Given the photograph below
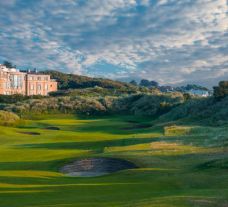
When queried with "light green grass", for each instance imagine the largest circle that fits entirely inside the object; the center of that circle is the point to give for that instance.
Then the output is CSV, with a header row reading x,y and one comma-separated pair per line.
x,y
177,169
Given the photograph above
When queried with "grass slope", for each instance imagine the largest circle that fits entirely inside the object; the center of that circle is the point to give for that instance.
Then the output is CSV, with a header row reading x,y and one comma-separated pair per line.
x,y
179,166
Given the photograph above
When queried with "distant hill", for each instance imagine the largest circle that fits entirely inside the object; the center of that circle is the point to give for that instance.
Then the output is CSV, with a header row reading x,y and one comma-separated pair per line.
x,y
71,81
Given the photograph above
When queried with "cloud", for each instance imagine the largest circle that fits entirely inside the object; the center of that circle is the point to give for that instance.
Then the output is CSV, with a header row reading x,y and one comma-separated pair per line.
x,y
172,41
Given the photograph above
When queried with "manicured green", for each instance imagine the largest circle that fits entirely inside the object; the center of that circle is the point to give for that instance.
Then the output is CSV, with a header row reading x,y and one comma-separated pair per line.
x,y
179,166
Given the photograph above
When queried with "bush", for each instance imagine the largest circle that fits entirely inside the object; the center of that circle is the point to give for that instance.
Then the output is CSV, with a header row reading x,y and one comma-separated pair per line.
x,y
8,118
222,90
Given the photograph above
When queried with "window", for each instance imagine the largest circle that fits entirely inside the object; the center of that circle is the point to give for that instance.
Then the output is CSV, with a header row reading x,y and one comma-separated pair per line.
x,y
16,81
38,87
32,87
46,86
38,78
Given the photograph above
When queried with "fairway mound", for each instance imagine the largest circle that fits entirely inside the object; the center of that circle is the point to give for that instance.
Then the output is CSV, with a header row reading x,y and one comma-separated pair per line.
x,y
52,128
30,133
92,167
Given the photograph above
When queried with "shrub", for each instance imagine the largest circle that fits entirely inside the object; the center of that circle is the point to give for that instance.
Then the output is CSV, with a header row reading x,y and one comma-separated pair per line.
x,y
222,90
8,118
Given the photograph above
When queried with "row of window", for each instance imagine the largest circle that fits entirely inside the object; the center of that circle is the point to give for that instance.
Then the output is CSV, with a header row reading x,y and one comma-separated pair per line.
x,y
31,93
31,78
38,78
19,85
39,87
7,93
12,85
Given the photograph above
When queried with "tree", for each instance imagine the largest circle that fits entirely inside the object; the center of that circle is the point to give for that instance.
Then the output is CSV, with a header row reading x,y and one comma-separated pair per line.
x,y
8,64
187,96
133,82
222,90
195,87
154,84
147,83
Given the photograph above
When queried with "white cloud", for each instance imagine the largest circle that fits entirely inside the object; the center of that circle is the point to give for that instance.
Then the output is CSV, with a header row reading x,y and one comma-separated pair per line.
x,y
170,41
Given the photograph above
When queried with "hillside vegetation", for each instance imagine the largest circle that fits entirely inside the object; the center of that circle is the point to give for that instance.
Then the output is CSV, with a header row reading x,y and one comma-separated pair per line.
x,y
137,104
135,101
206,110
71,81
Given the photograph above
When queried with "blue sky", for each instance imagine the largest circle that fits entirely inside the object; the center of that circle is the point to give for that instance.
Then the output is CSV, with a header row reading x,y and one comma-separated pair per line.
x,y
171,41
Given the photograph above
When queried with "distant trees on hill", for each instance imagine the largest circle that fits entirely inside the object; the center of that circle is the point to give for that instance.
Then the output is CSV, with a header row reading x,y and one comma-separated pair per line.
x,y
133,82
71,81
191,87
147,83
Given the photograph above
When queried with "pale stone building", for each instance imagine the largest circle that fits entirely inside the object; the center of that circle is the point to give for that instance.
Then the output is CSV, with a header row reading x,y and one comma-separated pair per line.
x,y
13,81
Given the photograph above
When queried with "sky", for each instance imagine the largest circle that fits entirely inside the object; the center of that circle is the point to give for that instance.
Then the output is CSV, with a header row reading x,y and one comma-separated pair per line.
x,y
170,41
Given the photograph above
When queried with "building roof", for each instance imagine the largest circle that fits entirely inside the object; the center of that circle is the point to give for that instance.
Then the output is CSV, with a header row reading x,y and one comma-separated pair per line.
x,y
5,69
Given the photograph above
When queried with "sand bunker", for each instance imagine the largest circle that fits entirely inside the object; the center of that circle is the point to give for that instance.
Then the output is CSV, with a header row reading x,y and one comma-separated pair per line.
x,y
91,167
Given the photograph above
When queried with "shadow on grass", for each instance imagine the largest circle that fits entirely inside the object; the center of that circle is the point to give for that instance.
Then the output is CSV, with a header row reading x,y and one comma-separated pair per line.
x,y
52,166
97,146
221,163
105,124
36,165
110,126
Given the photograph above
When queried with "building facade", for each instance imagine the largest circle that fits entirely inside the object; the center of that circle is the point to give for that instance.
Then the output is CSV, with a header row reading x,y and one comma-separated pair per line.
x,y
13,81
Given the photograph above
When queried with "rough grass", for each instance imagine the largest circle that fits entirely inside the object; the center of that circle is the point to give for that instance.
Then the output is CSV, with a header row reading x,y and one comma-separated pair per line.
x,y
175,130
186,167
